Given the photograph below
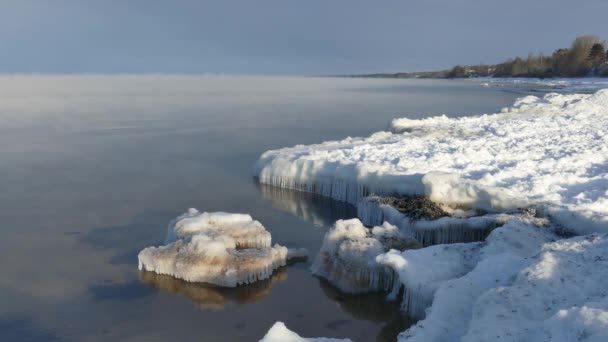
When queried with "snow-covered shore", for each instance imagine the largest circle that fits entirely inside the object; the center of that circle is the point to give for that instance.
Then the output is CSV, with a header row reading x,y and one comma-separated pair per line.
x,y
549,152
527,280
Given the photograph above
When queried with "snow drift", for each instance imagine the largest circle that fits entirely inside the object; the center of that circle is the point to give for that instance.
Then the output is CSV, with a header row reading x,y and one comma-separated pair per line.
x,y
217,248
550,152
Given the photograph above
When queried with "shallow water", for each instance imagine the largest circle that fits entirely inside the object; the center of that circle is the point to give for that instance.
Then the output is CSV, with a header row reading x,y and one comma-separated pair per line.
x,y
94,167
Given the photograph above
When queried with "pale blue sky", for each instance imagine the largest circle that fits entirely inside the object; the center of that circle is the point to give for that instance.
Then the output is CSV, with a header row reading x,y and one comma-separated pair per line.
x,y
283,36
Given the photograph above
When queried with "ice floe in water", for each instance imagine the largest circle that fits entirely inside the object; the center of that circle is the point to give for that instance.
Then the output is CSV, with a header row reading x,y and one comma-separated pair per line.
x,y
550,152
279,333
347,256
223,249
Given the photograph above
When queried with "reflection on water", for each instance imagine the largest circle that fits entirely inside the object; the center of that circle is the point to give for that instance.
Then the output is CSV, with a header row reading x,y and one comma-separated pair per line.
x,y
371,307
324,211
314,208
213,297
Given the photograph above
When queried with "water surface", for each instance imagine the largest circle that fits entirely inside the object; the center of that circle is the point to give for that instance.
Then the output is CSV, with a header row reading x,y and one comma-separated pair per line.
x,y
92,169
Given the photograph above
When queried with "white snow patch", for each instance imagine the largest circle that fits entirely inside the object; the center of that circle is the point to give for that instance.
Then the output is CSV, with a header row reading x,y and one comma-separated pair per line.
x,y
279,333
216,248
550,152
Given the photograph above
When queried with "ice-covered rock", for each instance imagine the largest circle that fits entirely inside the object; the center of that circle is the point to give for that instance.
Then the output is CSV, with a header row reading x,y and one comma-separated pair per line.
x,y
279,333
550,152
217,248
374,210
347,256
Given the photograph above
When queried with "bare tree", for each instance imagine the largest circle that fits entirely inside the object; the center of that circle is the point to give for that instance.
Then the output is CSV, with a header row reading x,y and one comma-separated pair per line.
x,y
578,62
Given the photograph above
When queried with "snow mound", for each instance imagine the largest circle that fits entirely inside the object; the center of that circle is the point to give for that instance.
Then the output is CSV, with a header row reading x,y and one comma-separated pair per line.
x,y
217,248
246,232
279,333
347,256
550,152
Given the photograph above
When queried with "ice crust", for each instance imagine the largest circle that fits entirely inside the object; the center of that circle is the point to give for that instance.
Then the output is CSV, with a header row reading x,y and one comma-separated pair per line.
x,y
347,256
549,152
219,248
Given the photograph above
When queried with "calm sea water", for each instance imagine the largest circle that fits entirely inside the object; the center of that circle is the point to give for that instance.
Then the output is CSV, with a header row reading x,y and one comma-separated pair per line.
x,y
92,168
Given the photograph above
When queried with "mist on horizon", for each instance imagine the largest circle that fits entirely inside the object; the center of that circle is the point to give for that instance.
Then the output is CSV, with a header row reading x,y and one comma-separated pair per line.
x,y
283,37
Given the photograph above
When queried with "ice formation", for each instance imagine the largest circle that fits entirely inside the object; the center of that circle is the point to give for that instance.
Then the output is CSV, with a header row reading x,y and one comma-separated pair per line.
x,y
491,270
372,211
550,152
244,230
451,277
420,271
347,256
217,248
279,333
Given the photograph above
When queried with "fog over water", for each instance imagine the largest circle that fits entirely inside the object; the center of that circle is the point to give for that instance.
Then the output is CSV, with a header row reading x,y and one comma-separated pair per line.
x,y
92,169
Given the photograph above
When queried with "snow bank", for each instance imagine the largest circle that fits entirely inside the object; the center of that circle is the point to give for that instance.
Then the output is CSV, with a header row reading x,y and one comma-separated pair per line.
x,y
280,333
561,296
347,256
549,152
217,248
495,263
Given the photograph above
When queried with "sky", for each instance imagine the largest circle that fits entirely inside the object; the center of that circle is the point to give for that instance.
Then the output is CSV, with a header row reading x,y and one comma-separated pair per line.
x,y
291,37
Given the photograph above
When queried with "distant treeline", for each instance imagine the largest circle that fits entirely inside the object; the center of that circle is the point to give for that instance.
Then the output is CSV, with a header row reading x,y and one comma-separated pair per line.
x,y
586,57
